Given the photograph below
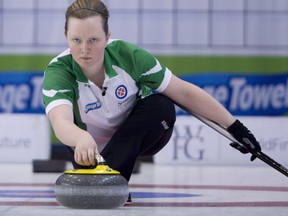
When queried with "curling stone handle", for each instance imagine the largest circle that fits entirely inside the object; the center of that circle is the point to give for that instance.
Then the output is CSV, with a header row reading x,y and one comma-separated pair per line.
x,y
100,160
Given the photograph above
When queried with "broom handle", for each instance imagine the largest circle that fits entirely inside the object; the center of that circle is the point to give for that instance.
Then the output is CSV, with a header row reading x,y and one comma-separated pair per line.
x,y
259,154
100,160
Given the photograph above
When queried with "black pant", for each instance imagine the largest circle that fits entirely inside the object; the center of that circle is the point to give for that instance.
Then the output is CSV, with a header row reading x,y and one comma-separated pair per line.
x,y
146,131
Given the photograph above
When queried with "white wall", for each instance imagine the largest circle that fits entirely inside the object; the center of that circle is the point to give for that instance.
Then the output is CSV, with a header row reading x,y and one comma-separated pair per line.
x,y
162,26
24,137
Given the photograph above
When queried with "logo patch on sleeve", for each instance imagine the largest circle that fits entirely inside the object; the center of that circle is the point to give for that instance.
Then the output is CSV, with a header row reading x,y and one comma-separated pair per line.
x,y
92,106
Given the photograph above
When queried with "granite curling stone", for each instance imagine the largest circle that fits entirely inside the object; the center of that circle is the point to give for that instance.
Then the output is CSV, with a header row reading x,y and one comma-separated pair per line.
x,y
99,188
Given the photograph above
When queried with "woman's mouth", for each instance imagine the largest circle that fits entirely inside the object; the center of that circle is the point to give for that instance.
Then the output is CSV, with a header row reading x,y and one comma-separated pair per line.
x,y
86,58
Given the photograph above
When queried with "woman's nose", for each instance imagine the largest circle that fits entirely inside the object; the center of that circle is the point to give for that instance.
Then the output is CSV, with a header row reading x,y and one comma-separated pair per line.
x,y
85,48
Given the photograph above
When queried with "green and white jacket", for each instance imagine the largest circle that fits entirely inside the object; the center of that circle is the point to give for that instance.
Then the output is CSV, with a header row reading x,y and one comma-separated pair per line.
x,y
131,74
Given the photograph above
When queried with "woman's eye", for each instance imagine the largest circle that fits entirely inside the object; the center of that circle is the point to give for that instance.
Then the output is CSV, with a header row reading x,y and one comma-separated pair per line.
x,y
76,40
93,40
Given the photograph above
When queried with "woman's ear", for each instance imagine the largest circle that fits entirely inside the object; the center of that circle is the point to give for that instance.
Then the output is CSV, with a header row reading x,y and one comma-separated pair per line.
x,y
108,36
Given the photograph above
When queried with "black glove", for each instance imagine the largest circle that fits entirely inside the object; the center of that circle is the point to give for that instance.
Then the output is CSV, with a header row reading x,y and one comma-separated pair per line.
x,y
245,137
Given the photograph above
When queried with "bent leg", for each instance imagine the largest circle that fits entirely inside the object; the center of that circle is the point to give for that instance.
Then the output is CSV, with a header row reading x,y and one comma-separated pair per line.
x,y
146,131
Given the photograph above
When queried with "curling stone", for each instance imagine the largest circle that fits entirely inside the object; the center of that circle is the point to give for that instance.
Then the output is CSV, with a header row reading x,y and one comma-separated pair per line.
x,y
99,188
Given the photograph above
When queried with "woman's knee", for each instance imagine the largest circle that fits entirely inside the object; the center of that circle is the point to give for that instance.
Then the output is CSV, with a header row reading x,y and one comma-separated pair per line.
x,y
162,107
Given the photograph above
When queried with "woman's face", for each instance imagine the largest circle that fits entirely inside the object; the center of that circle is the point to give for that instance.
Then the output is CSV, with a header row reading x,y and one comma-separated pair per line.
x,y
87,41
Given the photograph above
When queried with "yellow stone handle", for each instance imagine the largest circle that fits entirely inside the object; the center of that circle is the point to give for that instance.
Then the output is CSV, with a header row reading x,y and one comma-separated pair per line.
x,y
101,168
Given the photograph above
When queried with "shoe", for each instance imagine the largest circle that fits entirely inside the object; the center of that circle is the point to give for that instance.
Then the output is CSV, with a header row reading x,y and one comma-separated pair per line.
x,y
129,200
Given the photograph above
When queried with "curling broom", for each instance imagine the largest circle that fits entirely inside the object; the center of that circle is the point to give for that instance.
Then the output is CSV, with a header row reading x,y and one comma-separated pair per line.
x,y
259,154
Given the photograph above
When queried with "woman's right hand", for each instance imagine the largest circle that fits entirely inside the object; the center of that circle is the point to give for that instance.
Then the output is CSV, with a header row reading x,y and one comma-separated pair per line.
x,y
86,150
